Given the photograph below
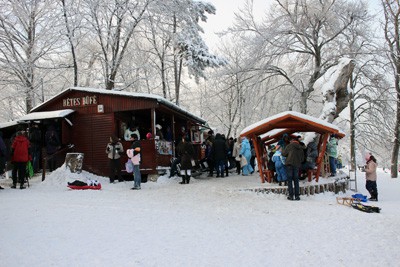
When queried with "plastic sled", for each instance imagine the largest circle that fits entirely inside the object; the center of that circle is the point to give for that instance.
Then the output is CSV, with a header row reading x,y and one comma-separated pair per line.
x,y
360,197
85,187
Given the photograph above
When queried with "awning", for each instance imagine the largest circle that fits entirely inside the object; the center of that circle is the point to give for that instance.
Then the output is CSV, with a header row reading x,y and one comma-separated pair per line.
x,y
4,125
37,116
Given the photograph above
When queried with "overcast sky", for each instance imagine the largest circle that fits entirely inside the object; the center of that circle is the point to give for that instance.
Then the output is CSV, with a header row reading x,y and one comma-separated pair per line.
x,y
224,17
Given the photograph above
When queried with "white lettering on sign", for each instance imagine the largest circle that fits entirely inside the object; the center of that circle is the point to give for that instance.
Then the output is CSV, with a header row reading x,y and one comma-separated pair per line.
x,y
84,101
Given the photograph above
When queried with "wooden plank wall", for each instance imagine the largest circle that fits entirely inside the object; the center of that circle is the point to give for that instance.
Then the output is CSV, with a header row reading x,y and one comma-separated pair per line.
x,y
91,134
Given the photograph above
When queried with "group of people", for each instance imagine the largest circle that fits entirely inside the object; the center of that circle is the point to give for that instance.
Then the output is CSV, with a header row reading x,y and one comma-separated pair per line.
x,y
25,147
115,150
223,154
291,159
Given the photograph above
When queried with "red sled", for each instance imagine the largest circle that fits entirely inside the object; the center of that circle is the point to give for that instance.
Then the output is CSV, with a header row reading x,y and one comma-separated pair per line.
x,y
77,187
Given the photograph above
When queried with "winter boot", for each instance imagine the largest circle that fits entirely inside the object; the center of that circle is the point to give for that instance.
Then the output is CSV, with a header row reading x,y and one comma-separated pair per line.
x,y
183,180
187,179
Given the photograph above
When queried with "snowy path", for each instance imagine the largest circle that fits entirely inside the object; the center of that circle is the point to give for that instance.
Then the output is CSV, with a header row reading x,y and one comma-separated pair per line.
x,y
206,223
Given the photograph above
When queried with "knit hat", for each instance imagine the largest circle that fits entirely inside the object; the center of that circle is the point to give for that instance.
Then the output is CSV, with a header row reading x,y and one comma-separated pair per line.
x,y
367,156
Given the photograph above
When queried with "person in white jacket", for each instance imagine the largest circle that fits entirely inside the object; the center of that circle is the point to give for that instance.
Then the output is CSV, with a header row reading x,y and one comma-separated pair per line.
x,y
114,151
236,152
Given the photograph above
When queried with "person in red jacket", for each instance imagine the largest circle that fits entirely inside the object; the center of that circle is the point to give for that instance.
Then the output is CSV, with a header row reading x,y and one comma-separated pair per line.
x,y
19,157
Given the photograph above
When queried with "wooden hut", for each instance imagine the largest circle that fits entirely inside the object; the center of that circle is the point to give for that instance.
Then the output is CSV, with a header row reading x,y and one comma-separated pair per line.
x,y
271,129
86,118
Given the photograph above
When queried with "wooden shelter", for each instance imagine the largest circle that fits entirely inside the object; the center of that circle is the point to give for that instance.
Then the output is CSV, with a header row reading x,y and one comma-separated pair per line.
x,y
270,131
85,118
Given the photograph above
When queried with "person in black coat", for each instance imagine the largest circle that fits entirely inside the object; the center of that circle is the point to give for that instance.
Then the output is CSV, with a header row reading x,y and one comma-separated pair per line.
x,y
35,138
52,145
220,152
185,152
294,153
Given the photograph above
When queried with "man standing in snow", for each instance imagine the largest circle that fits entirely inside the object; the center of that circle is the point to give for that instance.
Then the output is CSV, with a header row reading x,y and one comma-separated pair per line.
x,y
20,156
294,153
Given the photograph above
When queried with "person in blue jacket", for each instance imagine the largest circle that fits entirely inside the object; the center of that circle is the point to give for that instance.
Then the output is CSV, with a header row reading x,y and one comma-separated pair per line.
x,y
245,151
280,168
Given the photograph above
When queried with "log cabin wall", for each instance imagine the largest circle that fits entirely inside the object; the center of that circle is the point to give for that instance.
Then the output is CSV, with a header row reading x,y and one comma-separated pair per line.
x,y
92,127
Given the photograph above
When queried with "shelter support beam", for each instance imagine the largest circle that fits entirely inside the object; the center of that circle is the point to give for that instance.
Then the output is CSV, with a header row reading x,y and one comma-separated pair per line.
x,y
257,148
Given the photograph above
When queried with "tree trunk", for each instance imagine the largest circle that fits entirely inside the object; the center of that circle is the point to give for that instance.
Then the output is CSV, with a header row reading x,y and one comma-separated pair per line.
x,y
352,128
396,142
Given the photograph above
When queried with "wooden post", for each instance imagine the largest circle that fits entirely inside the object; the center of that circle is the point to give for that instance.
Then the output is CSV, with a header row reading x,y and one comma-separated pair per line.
x,y
321,154
258,156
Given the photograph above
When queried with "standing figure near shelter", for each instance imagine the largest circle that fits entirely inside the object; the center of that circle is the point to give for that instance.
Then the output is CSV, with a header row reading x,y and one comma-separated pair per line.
x,y
280,167
35,138
114,151
294,153
134,153
20,155
185,151
52,145
132,129
311,158
236,152
220,152
331,147
245,152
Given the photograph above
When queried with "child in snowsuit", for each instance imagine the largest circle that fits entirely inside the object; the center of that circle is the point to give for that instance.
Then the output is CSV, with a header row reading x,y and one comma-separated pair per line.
x,y
280,168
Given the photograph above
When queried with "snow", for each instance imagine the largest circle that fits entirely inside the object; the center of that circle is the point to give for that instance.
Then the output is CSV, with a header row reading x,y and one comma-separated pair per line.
x,y
46,115
294,114
326,83
209,222
121,93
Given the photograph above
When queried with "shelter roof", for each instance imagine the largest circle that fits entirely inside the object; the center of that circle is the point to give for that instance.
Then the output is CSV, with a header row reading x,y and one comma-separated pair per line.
x,y
289,122
46,115
157,98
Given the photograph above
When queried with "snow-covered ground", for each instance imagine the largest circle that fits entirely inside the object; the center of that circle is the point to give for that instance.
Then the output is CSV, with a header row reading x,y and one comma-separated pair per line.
x,y
210,222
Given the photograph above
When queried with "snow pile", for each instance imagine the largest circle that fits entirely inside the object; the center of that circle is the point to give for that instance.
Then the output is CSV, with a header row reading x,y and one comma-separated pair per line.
x,y
209,222
61,176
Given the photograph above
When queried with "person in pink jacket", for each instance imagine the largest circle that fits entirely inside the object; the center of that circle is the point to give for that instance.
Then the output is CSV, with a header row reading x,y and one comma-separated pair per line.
x,y
370,176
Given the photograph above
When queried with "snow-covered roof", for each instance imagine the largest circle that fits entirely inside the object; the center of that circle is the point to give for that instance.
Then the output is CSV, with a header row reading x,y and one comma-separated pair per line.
x,y
8,124
281,120
158,98
33,116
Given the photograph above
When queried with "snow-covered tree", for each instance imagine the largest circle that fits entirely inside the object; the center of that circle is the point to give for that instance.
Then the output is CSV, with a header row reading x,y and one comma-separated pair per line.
x,y
114,25
299,40
175,34
27,45
392,35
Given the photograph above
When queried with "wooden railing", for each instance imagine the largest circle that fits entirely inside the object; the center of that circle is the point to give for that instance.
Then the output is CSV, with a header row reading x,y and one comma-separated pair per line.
x,y
45,159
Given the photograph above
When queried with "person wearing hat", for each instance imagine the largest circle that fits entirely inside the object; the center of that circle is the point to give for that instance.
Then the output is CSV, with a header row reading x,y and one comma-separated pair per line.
x,y
371,176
